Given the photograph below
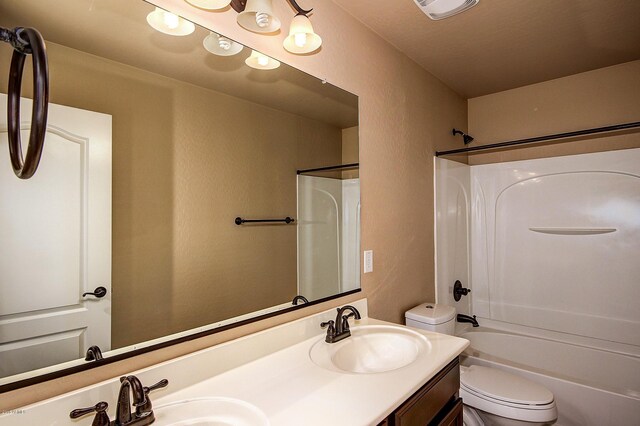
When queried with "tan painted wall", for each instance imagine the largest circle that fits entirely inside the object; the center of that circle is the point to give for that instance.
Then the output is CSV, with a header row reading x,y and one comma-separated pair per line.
x,y
350,147
602,97
405,113
185,164
350,150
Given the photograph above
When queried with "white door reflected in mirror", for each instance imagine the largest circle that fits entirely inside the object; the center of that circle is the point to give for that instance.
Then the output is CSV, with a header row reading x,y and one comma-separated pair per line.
x,y
56,243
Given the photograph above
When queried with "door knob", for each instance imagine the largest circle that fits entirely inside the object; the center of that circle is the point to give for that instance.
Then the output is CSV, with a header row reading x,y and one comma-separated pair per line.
x,y
99,292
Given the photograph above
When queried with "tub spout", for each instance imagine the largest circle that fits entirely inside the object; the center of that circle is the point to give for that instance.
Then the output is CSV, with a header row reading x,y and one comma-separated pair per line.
x,y
467,318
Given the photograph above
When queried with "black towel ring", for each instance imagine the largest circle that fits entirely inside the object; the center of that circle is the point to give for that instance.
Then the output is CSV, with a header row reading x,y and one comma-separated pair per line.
x,y
27,41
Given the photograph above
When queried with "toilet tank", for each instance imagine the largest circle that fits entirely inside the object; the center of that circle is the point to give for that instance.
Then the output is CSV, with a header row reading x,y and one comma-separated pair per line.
x,y
432,317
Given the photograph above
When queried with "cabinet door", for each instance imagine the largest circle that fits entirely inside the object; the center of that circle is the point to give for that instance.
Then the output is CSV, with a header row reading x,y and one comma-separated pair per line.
x,y
430,403
453,417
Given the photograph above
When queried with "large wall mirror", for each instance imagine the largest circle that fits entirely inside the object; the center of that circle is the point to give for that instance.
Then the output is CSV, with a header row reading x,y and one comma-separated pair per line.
x,y
156,147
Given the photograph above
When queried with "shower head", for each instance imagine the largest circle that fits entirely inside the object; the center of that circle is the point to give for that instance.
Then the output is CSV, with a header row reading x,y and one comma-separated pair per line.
x,y
465,137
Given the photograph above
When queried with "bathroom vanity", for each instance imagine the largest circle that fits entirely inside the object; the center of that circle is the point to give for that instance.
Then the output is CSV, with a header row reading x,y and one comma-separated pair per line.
x,y
436,403
280,376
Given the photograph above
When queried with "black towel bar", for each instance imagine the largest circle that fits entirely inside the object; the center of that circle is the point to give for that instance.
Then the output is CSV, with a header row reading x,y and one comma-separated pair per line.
x,y
287,220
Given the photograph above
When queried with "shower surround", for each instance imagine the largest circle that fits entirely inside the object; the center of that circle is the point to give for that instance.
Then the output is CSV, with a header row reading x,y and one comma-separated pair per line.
x,y
555,244
549,248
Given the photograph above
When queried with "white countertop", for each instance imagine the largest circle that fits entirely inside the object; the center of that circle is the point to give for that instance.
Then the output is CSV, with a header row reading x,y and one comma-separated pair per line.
x,y
291,390
273,371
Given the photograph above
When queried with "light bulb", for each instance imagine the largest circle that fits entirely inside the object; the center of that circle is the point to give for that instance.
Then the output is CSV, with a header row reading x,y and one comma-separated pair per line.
x,y
224,43
263,61
262,19
260,61
258,17
170,20
220,45
169,23
300,39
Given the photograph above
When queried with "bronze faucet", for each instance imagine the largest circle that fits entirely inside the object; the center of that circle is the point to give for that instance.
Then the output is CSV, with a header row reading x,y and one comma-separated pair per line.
x,y
93,354
299,298
339,329
124,416
143,414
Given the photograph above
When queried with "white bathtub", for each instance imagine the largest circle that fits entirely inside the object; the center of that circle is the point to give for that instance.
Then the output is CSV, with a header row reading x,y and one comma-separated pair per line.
x,y
592,387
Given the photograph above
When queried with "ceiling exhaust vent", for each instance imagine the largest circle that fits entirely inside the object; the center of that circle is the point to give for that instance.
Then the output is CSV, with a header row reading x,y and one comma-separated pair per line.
x,y
440,9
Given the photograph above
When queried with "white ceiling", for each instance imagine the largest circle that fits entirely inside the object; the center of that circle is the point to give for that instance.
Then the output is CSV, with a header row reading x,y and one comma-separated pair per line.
x,y
503,44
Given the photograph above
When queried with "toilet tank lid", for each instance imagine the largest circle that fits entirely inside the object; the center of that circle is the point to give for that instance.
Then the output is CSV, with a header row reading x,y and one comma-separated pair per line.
x,y
431,313
503,386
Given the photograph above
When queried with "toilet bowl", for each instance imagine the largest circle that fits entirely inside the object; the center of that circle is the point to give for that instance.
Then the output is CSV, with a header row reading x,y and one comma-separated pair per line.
x,y
501,398
490,396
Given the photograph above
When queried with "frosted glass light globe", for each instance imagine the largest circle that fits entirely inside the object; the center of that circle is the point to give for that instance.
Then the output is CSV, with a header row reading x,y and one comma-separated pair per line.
x,y
169,23
302,39
209,4
258,17
260,61
220,45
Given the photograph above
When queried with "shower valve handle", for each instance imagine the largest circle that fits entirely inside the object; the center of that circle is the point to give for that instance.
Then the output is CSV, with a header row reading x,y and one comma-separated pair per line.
x,y
459,291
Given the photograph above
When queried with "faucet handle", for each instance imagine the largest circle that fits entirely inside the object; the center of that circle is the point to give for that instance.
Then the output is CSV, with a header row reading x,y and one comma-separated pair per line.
x,y
101,418
331,330
327,323
146,408
161,384
345,321
349,315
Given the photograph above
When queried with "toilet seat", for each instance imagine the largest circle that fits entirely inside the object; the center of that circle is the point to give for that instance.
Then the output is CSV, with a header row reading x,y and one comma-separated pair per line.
x,y
506,395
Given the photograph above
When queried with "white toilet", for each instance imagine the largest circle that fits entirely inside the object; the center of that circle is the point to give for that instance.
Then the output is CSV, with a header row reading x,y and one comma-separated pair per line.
x,y
490,396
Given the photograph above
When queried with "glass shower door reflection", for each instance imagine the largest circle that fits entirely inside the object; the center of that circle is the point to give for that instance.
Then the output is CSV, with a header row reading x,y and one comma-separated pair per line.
x,y
328,236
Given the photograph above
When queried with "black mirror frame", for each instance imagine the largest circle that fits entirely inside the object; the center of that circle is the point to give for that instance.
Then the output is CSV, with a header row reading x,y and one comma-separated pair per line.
x,y
111,359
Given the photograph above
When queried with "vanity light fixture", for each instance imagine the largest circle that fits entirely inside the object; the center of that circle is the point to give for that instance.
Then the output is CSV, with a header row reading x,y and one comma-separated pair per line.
x,y
258,16
169,23
220,45
209,4
302,39
260,61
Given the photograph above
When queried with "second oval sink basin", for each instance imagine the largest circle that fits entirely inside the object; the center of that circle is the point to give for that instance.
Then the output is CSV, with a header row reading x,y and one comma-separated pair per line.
x,y
371,349
210,412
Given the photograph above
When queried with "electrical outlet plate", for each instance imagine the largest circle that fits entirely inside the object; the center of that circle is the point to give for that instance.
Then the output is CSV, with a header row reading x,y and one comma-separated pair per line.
x,y
368,261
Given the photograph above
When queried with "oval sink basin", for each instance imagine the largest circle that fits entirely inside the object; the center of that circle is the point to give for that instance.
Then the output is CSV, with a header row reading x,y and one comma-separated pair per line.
x,y
210,412
371,349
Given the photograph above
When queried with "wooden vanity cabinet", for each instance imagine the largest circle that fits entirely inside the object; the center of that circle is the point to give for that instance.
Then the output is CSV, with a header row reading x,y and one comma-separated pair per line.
x,y
436,403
